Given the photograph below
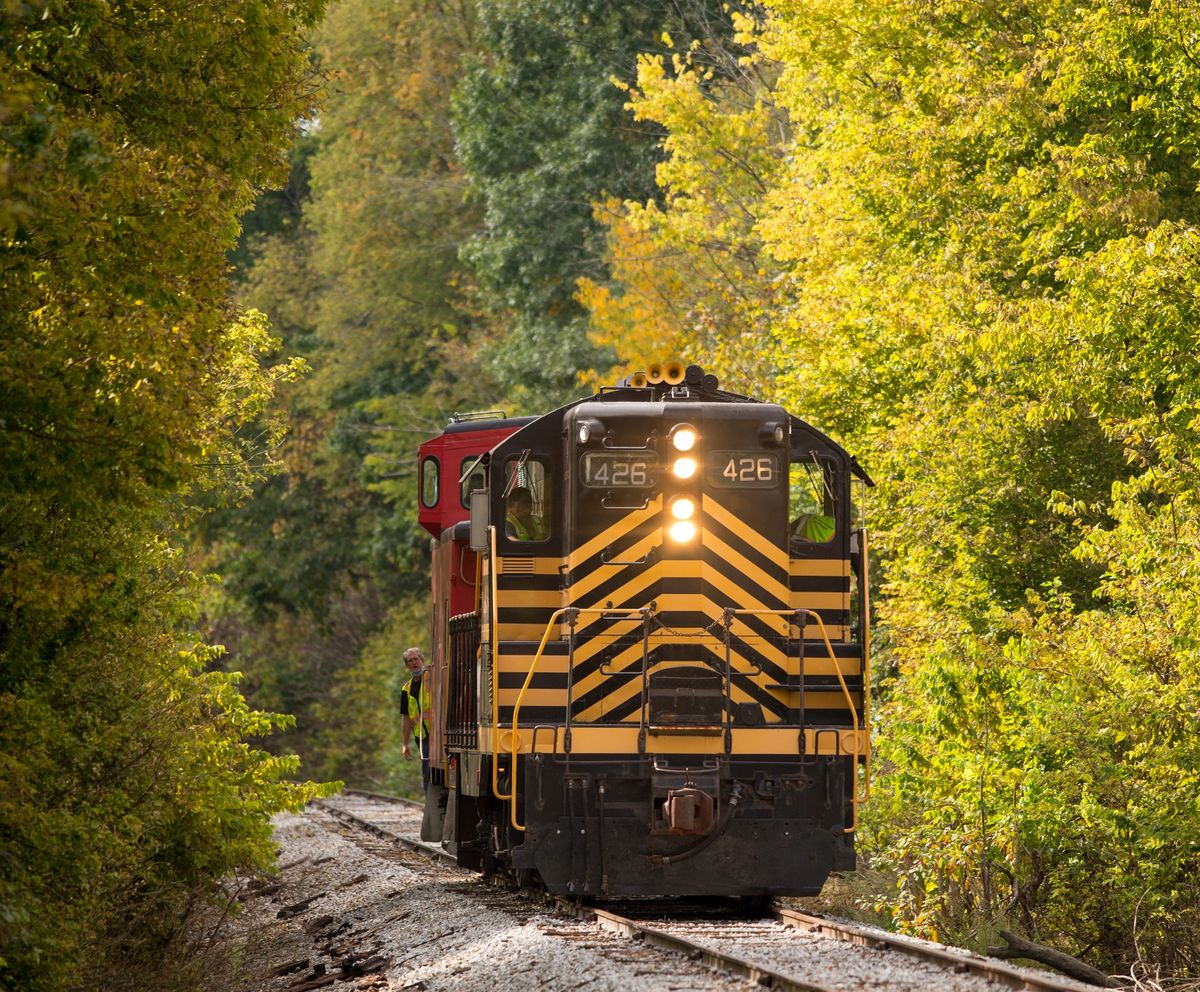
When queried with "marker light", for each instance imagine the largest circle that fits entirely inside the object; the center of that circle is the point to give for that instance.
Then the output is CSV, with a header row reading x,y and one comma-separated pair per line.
x,y
682,530
683,508
684,468
585,433
683,437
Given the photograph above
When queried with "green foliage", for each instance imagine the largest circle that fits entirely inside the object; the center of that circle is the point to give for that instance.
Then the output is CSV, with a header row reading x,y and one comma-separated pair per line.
x,y
132,393
990,226
360,718
360,274
542,135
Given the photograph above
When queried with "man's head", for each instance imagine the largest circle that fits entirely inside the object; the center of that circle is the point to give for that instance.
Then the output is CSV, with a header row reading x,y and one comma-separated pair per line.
x,y
414,660
520,501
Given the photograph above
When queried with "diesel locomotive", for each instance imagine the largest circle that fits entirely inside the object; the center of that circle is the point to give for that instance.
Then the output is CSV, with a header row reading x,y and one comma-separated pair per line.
x,y
650,643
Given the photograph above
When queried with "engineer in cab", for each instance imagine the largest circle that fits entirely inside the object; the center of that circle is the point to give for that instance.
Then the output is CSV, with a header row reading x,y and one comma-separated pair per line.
x,y
521,523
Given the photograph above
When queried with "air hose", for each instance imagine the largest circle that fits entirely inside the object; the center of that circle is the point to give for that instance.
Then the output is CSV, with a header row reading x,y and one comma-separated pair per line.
x,y
735,797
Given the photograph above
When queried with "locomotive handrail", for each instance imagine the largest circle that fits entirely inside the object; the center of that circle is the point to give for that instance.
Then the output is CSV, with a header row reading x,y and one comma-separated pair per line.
x,y
514,743
730,613
646,559
624,506
854,800
864,592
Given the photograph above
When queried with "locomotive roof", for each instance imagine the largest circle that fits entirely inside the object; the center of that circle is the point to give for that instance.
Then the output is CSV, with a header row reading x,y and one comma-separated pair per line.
x,y
664,393
492,424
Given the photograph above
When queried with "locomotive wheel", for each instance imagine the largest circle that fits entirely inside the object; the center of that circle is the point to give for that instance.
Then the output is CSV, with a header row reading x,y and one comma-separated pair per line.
x,y
488,864
528,878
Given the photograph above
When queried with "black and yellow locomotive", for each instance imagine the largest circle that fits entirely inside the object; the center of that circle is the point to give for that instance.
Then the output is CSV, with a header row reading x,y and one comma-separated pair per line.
x,y
650,643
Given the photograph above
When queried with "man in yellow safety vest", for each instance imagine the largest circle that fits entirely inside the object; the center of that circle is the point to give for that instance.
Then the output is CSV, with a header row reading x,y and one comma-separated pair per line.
x,y
414,711
520,522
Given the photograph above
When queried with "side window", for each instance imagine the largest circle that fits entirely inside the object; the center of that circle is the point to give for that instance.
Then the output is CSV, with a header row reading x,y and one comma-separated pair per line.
x,y
429,482
812,514
477,479
527,499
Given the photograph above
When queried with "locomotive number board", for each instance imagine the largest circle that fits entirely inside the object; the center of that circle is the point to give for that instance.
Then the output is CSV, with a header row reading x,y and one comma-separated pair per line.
x,y
618,470
737,469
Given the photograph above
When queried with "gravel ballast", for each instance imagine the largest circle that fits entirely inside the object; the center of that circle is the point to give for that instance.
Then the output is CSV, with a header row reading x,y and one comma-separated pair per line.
x,y
353,911
349,903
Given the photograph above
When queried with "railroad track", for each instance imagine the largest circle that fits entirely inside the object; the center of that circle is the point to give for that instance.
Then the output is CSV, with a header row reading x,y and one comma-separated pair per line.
x,y
783,950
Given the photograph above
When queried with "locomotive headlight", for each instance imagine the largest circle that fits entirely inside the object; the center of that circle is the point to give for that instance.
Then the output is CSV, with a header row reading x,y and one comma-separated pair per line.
x,y
684,468
682,530
684,437
683,508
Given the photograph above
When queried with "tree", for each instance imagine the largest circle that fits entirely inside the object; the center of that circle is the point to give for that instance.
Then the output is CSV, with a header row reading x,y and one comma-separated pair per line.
x,y
689,274
543,136
325,567
133,137
993,214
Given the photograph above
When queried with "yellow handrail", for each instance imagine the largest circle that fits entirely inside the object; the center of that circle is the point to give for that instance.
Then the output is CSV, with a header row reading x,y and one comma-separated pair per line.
x,y
849,703
854,801
865,595
514,744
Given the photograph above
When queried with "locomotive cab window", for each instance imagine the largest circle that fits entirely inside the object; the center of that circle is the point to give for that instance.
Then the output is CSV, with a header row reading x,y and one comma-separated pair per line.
x,y
812,508
527,500
429,483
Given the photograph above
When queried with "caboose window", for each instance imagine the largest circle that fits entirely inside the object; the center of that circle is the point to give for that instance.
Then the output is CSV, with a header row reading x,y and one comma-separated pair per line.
x,y
476,479
812,509
429,482
527,499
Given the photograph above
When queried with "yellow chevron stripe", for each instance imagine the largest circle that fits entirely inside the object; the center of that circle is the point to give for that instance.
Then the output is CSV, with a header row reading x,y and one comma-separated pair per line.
x,y
606,537
699,603
629,660
777,556
692,603
742,665
633,688
744,601
636,584
602,573
752,572
597,642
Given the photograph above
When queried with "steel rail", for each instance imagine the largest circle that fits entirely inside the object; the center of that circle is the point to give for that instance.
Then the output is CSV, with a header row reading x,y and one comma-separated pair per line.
x,y
719,960
957,959
430,850
954,959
